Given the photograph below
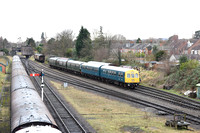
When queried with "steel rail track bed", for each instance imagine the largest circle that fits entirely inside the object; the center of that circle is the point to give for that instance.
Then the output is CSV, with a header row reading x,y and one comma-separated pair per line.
x,y
77,82
67,121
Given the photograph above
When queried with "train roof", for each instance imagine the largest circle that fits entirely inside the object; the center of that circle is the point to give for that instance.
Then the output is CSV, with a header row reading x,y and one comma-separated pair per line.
x,y
74,61
92,65
27,107
54,58
116,68
39,129
63,59
16,58
39,54
102,63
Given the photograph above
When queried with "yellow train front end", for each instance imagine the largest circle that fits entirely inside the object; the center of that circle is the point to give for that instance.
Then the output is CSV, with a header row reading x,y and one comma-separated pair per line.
x,y
132,78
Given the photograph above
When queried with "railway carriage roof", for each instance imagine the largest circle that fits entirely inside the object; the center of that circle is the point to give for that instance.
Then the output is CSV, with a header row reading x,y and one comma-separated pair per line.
x,y
102,63
74,61
116,68
63,59
16,58
39,54
54,58
92,65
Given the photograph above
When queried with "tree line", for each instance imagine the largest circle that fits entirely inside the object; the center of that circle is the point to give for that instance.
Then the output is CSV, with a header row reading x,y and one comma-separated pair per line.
x,y
4,44
101,47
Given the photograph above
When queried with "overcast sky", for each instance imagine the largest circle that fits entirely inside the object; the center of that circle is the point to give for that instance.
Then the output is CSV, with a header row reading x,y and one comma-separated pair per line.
x,y
130,18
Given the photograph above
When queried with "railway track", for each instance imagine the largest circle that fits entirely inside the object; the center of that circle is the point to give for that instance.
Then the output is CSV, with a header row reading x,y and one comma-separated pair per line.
x,y
171,98
159,94
164,95
64,118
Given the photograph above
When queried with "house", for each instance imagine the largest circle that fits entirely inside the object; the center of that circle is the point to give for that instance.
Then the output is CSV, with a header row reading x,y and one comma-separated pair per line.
x,y
2,68
176,46
194,48
174,58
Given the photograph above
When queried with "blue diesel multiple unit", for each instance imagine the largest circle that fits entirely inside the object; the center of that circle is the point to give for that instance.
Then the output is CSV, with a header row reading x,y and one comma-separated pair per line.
x,y
99,70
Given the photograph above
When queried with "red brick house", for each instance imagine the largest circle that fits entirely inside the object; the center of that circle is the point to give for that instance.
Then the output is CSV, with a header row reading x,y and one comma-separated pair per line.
x,y
196,44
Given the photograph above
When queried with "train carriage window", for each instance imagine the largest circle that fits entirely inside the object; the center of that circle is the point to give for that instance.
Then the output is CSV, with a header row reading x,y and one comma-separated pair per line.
x,y
128,75
121,75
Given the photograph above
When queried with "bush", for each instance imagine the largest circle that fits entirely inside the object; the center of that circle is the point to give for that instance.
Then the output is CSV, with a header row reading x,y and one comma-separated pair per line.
x,y
69,52
140,55
5,50
39,49
183,59
191,64
160,55
185,77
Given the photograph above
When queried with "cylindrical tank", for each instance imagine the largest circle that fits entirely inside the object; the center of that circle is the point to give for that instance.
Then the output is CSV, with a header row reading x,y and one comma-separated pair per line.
x,y
198,90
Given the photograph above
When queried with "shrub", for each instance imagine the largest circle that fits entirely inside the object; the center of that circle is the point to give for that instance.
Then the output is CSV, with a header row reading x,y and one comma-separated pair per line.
x,y
191,64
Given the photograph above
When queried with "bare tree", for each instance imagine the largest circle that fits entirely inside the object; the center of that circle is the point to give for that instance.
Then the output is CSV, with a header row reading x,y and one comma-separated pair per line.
x,y
100,54
60,44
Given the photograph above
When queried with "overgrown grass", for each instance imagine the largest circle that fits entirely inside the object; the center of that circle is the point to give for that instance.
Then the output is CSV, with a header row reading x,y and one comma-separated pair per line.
x,y
152,78
5,101
3,60
108,116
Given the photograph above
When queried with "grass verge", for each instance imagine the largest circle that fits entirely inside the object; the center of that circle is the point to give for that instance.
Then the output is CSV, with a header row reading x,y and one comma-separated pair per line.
x,y
108,116
5,100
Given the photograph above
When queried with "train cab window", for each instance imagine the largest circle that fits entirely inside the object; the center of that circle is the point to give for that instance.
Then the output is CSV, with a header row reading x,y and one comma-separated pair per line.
x,y
128,75
132,75
136,75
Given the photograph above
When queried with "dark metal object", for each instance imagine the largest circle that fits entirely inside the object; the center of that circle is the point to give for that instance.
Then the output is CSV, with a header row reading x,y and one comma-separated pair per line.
x,y
39,57
177,122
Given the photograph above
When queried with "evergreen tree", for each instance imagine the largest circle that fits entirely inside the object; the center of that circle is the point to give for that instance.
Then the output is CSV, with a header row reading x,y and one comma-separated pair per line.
x,y
42,36
30,42
160,55
155,49
139,40
183,59
83,41
5,42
